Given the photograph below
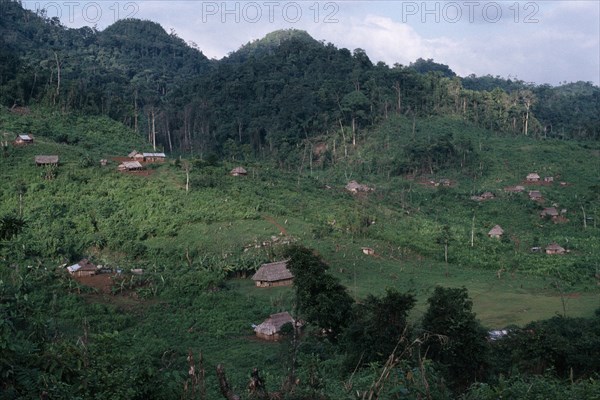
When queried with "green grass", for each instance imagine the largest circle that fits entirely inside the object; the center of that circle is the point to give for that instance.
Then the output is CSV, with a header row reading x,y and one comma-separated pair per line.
x,y
152,221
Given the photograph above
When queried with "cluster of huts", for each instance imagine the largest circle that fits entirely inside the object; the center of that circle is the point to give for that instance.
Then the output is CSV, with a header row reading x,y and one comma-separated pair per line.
x,y
39,160
272,275
547,212
533,178
268,275
136,159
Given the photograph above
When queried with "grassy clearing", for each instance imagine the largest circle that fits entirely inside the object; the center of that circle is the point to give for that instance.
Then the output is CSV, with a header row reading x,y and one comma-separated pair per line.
x,y
151,222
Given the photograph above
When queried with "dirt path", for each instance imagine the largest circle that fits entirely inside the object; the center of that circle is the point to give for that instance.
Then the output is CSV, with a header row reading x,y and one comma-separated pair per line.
x,y
274,222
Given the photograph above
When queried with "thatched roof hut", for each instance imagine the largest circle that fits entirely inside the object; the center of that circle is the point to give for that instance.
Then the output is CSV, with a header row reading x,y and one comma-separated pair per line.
x,y
514,189
555,248
271,327
355,187
238,171
496,232
549,212
273,274
484,196
533,177
535,195
130,166
368,251
46,160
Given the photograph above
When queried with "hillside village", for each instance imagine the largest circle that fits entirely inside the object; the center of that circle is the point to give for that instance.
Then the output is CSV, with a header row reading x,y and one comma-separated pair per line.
x,y
293,221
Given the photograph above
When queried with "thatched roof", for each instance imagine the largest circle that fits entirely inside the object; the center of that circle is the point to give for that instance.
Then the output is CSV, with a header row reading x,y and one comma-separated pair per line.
x,y
238,171
496,231
129,165
132,154
25,138
354,186
483,196
533,176
549,211
273,272
555,247
535,194
46,160
514,189
273,324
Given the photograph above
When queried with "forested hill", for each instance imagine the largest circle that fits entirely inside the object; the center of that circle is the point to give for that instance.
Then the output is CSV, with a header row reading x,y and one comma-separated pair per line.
x,y
269,96
100,72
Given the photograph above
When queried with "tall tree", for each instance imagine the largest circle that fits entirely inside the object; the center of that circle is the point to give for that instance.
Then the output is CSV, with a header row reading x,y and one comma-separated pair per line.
x,y
463,356
320,299
378,325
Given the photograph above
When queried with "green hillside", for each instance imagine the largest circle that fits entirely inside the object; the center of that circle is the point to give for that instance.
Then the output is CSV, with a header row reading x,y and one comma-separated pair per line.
x,y
401,291
219,231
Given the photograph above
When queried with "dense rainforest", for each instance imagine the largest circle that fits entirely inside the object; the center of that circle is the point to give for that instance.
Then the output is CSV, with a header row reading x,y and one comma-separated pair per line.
x,y
435,280
271,94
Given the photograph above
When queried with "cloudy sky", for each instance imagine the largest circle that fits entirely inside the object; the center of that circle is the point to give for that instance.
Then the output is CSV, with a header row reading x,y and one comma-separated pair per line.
x,y
536,41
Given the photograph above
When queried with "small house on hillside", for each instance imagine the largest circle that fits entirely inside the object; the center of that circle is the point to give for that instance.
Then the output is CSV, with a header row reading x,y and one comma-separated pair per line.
x,y
555,248
496,232
24,139
154,157
46,160
368,251
483,197
548,179
549,212
532,177
273,274
271,327
238,171
535,195
135,155
83,268
130,166
514,189
355,187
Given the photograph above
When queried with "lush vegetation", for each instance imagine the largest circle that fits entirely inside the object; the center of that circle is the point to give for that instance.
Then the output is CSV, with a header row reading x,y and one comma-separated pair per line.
x,y
180,239
267,98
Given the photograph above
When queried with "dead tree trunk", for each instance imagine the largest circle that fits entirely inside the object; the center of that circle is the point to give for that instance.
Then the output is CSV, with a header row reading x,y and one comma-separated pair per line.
x,y
153,129
57,77
226,390
135,112
473,231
